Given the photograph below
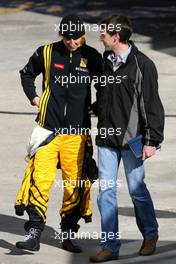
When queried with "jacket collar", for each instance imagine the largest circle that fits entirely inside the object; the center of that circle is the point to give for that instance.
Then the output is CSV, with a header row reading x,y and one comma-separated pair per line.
x,y
63,49
134,50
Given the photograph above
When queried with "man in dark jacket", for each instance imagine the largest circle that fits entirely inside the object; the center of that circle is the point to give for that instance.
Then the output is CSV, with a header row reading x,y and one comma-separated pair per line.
x,y
68,67
129,107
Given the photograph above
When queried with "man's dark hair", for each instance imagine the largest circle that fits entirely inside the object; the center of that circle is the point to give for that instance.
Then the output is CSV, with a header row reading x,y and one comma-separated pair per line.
x,y
118,24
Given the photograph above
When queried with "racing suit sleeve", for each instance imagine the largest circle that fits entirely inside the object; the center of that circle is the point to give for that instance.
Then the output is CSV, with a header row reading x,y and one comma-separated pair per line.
x,y
96,76
29,73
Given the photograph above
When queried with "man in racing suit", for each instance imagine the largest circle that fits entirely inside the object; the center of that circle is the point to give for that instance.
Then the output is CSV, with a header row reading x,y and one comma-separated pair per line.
x,y
67,66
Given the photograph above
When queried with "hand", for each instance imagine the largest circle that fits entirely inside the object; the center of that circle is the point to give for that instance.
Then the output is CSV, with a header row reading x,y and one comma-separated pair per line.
x,y
90,111
148,151
36,102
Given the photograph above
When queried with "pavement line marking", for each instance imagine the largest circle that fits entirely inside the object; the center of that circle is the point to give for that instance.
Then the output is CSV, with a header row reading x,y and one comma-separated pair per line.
x,y
54,9
21,7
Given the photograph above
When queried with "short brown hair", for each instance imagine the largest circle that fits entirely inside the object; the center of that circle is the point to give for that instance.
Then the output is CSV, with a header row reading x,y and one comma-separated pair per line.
x,y
119,24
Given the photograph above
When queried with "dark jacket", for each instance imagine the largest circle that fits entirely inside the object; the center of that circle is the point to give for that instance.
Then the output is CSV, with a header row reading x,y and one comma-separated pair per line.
x,y
132,106
63,104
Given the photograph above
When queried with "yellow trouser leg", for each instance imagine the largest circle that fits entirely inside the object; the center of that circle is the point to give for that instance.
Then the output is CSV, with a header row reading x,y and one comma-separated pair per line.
x,y
45,169
71,158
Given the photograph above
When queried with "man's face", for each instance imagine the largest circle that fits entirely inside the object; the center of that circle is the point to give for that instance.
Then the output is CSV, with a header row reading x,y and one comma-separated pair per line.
x,y
73,44
108,41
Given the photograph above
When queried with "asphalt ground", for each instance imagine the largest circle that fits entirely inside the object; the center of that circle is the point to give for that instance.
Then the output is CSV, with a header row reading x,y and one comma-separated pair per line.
x,y
21,32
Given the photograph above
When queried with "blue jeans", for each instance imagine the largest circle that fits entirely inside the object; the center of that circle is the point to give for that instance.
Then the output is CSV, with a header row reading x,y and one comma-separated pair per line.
x,y
108,162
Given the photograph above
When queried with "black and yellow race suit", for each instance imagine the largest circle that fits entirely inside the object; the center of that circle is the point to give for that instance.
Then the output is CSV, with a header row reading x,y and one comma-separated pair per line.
x,y
66,86
63,105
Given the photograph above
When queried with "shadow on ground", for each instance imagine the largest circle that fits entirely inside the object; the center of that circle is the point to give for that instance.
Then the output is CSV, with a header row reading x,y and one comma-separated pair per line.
x,y
166,250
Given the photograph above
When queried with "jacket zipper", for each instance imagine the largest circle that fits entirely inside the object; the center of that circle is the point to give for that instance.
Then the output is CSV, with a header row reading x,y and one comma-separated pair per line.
x,y
110,94
65,108
109,98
